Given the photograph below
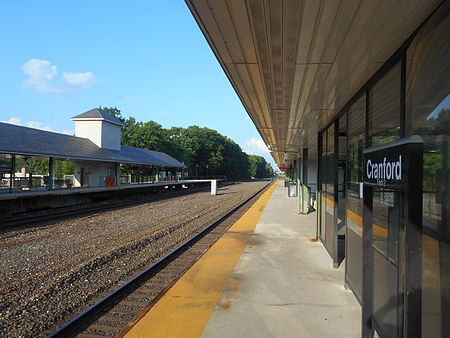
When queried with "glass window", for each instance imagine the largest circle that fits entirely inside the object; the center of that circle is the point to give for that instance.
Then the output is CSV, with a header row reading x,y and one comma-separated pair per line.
x,y
330,160
356,126
384,127
386,219
324,161
323,174
428,115
341,173
384,108
329,196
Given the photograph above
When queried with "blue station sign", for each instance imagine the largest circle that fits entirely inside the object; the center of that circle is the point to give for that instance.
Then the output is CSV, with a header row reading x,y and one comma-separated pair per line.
x,y
388,165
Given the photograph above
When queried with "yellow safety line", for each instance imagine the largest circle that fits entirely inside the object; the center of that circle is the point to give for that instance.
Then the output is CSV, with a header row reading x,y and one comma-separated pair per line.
x,y
185,309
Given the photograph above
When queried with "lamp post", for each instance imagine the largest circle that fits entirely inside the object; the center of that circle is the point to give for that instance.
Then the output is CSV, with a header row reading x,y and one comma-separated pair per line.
x,y
196,171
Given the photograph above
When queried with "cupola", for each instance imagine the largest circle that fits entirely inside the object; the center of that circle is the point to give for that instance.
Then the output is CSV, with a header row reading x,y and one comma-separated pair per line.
x,y
100,127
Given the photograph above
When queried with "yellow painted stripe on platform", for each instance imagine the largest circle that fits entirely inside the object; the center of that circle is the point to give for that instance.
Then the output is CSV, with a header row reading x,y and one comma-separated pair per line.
x,y
185,309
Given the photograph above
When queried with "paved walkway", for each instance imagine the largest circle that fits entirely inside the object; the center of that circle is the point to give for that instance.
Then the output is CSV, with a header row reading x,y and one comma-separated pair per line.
x,y
273,281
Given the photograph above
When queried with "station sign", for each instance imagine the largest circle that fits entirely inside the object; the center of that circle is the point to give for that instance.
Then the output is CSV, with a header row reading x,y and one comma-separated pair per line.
x,y
388,165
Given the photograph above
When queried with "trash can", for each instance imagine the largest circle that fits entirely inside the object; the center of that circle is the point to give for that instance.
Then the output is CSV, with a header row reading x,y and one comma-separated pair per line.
x,y
292,189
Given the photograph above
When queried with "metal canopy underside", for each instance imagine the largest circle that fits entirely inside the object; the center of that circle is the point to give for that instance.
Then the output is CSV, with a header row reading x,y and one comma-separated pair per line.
x,y
295,63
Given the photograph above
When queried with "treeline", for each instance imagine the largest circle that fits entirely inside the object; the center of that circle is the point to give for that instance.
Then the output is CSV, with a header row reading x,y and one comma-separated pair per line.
x,y
204,151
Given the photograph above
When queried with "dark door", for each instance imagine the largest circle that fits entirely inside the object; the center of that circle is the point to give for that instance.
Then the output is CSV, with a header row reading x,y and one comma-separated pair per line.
x,y
82,176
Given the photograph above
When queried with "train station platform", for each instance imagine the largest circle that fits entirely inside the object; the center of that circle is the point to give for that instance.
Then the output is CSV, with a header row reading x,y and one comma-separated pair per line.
x,y
20,205
87,190
265,277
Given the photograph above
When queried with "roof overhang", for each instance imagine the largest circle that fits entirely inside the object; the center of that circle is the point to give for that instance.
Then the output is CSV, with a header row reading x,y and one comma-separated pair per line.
x,y
294,64
88,159
97,119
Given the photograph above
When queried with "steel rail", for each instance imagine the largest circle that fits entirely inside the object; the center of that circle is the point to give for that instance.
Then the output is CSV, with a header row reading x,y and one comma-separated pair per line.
x,y
72,325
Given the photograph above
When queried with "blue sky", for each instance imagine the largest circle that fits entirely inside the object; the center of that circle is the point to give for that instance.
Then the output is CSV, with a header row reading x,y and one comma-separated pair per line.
x,y
148,58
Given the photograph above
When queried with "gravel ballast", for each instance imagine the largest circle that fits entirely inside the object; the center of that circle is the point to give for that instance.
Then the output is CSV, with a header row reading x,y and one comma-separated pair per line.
x,y
51,272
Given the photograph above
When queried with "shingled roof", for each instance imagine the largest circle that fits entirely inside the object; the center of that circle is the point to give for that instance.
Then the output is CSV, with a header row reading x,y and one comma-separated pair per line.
x,y
28,141
97,114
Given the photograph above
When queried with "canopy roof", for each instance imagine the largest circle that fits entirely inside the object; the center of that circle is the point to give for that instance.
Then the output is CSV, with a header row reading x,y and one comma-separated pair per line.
x,y
34,142
295,63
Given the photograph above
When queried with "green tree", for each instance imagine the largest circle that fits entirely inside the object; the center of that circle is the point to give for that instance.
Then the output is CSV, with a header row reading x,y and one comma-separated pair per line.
x,y
114,112
258,167
32,165
63,168
204,151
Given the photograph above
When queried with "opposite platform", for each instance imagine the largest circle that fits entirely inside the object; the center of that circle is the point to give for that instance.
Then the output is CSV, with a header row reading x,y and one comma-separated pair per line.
x,y
283,284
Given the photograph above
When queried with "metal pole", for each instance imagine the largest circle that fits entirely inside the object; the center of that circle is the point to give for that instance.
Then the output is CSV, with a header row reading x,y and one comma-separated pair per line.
x,y
335,194
117,174
306,195
367,273
319,185
51,173
414,232
299,186
318,213
12,174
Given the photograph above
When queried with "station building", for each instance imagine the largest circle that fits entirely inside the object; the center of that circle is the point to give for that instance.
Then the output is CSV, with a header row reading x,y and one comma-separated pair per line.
x,y
353,100
32,159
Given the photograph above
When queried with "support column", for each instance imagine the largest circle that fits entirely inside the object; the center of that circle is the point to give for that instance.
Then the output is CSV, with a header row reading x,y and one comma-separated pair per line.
x,y
335,194
299,185
306,195
117,174
12,173
367,280
318,213
319,186
51,173
413,250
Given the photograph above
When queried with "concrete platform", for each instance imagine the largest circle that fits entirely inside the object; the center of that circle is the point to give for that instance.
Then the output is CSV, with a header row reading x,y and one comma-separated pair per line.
x,y
18,206
280,283
6,195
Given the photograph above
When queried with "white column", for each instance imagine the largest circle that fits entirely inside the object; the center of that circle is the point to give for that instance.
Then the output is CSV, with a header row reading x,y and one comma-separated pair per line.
x,y
213,187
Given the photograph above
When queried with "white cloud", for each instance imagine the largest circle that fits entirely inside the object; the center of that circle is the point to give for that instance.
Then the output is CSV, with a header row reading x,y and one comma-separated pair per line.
x,y
35,125
13,120
164,113
42,76
82,80
255,146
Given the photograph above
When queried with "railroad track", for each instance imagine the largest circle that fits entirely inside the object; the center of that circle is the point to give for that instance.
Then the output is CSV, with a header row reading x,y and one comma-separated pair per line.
x,y
84,209
111,315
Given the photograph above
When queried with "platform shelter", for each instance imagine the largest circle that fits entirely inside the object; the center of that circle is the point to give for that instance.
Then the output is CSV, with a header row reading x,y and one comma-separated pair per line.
x,y
33,159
